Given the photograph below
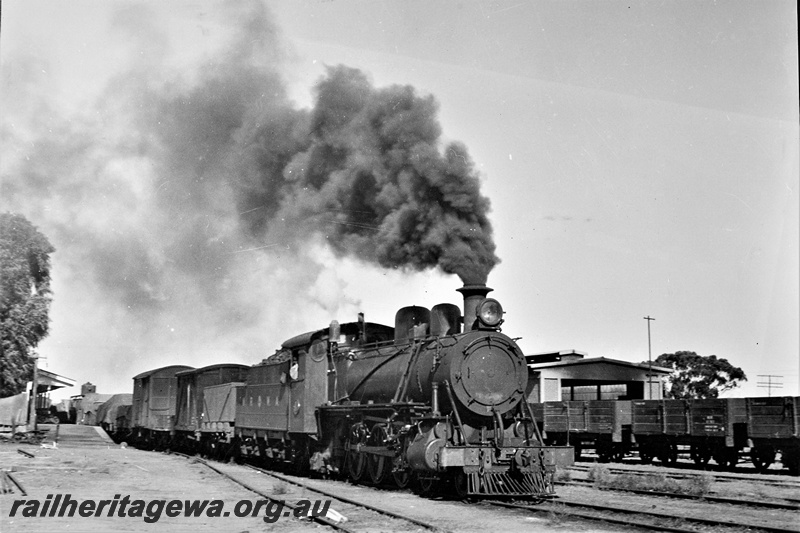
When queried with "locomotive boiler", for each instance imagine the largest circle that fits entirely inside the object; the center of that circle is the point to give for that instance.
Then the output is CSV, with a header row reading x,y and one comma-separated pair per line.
x,y
487,378
423,401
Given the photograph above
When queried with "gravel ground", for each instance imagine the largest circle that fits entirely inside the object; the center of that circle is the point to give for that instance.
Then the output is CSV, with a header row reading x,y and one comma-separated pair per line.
x,y
100,474
739,489
89,468
448,515
102,471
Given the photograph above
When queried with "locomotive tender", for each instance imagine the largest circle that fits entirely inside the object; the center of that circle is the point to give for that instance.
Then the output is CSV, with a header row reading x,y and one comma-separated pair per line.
x,y
423,402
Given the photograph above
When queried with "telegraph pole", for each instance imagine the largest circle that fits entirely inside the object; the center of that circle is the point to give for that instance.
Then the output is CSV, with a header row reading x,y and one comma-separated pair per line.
x,y
649,360
34,387
769,384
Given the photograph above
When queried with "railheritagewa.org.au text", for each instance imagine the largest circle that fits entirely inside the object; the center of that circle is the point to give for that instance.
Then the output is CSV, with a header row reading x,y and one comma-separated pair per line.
x,y
151,511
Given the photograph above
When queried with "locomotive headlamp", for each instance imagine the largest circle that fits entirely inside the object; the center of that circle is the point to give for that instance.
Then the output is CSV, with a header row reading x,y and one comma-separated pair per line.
x,y
490,312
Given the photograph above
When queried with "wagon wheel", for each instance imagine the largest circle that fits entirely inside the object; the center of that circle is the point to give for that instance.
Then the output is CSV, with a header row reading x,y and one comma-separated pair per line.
x,y
733,460
402,478
378,466
234,451
617,454
726,457
578,450
356,465
424,485
604,452
762,457
791,460
460,484
401,472
700,454
356,461
301,459
645,455
668,454
602,456
218,448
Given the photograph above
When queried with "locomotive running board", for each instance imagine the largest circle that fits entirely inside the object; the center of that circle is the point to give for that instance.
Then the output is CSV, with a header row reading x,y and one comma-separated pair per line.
x,y
506,484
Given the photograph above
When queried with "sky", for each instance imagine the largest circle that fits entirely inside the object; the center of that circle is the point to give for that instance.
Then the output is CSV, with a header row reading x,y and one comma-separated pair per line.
x,y
609,160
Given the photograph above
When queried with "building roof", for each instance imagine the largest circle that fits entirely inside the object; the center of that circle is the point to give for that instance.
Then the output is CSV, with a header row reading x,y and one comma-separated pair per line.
x,y
573,357
47,381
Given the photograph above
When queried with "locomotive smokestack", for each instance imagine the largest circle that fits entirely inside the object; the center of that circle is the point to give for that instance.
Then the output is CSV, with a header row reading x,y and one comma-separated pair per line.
x,y
473,294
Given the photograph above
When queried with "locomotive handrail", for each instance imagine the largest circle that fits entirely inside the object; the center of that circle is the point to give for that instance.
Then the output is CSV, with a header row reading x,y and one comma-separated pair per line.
x,y
499,435
399,395
371,345
455,412
533,421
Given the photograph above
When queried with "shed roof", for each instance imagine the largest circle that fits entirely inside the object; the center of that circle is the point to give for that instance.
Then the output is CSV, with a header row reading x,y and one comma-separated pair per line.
x,y
597,360
47,381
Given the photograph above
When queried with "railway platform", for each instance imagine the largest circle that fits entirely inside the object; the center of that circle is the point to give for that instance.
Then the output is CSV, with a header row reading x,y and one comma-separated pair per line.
x,y
72,435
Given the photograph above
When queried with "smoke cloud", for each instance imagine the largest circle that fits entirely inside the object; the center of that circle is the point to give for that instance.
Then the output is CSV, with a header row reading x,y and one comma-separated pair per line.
x,y
185,202
370,177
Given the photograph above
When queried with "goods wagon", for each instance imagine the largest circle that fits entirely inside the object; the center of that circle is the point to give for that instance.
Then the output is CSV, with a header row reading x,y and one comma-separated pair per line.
x,y
773,425
108,414
712,428
206,403
154,405
602,425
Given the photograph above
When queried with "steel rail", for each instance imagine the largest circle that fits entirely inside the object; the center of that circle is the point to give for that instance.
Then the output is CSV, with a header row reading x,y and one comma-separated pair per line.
x,y
318,519
386,512
718,476
660,516
596,518
688,496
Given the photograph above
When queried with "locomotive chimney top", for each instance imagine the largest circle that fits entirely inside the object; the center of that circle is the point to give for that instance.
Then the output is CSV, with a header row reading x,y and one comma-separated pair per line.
x,y
473,294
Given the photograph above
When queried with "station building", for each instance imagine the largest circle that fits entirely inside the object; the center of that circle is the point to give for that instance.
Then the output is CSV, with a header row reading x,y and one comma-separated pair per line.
x,y
47,382
15,410
569,375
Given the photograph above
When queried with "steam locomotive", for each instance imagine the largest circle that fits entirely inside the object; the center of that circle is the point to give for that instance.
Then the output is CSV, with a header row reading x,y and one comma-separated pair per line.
x,y
423,402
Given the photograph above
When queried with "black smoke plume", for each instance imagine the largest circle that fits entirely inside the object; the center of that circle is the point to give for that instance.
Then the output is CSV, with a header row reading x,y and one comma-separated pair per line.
x,y
178,194
365,168
369,171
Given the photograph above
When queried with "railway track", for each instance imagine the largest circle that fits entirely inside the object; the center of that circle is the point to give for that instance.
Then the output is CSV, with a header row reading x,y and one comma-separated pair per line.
x,y
360,516
743,466
349,501
718,476
635,509
649,520
697,497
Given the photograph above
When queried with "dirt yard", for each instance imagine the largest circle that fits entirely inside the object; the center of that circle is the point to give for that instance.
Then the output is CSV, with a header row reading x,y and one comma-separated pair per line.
x,y
109,472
